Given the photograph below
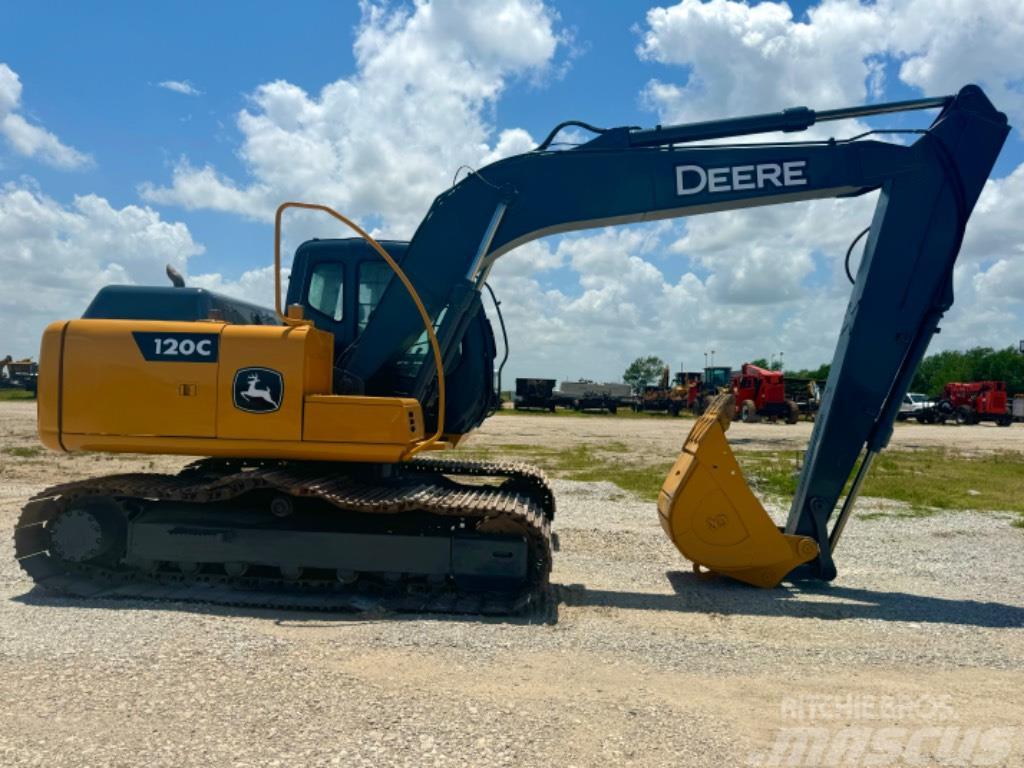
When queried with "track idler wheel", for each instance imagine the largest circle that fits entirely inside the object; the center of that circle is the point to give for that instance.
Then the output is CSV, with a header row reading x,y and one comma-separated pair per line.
x,y
714,519
91,528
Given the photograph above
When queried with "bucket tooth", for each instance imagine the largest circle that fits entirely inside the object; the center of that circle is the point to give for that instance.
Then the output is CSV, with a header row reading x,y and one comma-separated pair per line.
x,y
713,518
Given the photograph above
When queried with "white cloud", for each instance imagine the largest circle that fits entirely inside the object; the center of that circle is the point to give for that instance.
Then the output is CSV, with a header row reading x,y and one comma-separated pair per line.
x,y
56,257
255,285
624,305
384,142
196,188
763,255
745,59
944,44
785,262
26,138
1003,280
183,87
989,281
995,230
514,141
752,283
742,59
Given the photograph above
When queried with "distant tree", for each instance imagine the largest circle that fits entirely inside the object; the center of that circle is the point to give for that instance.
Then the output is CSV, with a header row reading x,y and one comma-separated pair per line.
x,y
819,374
643,371
760,362
977,364
935,371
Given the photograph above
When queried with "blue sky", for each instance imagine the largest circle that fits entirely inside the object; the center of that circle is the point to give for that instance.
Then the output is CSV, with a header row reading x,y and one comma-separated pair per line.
x,y
91,76
95,80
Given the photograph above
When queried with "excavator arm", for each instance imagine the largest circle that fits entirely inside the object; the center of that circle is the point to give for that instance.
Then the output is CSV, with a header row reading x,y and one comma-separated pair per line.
x,y
903,286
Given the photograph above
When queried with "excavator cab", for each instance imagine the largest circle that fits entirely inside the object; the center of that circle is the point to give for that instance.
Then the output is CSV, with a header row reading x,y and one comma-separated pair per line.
x,y
338,283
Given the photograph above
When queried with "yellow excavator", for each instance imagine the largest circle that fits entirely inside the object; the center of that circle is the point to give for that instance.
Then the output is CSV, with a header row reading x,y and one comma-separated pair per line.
x,y
321,423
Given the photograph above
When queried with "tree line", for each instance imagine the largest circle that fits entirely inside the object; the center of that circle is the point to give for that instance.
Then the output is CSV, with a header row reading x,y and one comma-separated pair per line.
x,y
935,371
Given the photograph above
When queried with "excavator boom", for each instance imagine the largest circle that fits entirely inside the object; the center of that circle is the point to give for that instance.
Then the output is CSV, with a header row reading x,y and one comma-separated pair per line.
x,y
927,190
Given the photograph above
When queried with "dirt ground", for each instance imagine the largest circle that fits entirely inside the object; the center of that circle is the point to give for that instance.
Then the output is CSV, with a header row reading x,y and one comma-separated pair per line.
x,y
914,655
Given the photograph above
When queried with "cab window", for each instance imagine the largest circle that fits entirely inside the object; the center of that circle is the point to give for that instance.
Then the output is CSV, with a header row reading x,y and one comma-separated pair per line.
x,y
373,279
414,357
326,290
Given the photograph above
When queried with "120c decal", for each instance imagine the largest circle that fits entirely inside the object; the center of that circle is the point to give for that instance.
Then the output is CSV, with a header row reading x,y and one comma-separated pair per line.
x,y
177,347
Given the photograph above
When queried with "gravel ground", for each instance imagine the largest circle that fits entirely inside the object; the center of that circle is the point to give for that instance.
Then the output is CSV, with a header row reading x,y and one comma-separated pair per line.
x,y
639,663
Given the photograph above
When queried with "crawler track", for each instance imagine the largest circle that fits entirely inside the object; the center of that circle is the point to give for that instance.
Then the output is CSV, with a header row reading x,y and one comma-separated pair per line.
x,y
516,502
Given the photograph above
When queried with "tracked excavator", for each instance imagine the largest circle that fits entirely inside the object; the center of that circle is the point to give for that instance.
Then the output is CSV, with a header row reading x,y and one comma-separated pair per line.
x,y
321,426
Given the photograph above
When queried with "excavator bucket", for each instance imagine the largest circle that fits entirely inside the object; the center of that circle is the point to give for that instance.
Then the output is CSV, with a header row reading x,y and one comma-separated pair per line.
x,y
714,519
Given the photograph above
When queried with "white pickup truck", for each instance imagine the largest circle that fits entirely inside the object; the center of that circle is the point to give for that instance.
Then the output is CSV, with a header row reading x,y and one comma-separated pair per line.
x,y
917,406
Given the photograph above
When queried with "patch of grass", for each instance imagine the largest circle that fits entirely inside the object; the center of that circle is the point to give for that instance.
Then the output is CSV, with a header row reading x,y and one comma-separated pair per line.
x,y
16,394
589,463
609,462
948,480
24,452
773,473
926,481
644,482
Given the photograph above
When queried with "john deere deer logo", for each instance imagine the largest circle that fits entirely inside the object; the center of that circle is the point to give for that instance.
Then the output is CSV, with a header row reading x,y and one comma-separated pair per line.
x,y
258,390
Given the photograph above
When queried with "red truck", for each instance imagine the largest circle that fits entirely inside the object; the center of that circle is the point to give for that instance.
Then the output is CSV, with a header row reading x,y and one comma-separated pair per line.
x,y
762,393
974,401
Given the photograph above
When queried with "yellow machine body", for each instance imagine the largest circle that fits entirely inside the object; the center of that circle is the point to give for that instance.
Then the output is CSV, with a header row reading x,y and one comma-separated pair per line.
x,y
710,514
101,388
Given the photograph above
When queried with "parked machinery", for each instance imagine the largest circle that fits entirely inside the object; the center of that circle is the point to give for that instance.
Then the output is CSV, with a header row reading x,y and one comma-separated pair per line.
x,y
714,381
586,395
663,396
534,394
806,393
974,401
18,374
761,393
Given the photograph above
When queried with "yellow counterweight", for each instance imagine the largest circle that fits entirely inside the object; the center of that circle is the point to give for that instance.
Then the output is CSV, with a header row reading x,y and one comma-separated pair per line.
x,y
211,389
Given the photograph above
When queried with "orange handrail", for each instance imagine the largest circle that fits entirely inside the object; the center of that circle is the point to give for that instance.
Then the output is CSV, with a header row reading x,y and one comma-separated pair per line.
x,y
427,323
